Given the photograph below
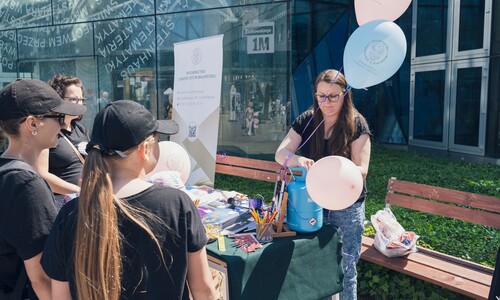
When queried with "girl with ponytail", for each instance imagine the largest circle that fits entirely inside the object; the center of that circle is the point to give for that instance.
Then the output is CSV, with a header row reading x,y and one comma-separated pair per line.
x,y
125,238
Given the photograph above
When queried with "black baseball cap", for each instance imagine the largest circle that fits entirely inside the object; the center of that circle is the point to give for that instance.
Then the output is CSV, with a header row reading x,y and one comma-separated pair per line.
x,y
124,124
24,97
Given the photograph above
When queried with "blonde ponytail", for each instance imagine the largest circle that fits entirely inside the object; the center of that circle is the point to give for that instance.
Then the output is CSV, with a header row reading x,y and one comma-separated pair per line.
x,y
97,250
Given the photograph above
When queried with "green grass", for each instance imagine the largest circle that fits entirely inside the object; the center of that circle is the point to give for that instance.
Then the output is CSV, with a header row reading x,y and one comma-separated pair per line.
x,y
472,242
454,237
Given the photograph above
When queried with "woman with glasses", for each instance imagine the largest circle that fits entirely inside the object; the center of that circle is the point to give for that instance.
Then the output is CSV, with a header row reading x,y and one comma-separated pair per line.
x,y
62,165
340,130
31,114
123,237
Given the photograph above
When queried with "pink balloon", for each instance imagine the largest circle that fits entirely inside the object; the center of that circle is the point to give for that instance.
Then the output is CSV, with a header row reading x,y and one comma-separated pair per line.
x,y
369,10
334,182
173,157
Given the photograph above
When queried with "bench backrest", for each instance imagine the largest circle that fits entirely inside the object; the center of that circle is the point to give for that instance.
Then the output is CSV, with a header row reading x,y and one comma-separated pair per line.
x,y
247,167
474,208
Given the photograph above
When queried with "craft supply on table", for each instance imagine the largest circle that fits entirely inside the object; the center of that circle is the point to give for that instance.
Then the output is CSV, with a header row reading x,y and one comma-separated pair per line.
x,y
247,242
213,231
221,244
264,224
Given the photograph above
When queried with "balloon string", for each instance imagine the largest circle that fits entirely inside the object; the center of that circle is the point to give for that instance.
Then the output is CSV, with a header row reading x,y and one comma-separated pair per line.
x,y
289,156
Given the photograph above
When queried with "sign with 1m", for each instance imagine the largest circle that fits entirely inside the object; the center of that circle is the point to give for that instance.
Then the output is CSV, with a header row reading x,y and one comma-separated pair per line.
x,y
260,37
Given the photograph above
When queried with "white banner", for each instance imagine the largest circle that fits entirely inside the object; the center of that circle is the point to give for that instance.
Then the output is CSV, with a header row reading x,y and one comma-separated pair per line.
x,y
196,101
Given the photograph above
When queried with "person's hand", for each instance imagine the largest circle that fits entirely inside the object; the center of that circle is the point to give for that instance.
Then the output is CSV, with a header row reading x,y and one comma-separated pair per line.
x,y
305,162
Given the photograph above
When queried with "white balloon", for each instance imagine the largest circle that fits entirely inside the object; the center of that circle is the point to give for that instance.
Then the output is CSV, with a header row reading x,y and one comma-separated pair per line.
x,y
173,157
373,53
334,182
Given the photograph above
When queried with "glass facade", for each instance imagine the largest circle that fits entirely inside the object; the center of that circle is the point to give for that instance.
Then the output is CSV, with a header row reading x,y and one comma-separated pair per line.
x,y
471,25
432,26
125,48
468,108
428,120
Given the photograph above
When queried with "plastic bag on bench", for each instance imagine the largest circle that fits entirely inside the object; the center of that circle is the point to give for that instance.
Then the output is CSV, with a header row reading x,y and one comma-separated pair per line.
x,y
390,237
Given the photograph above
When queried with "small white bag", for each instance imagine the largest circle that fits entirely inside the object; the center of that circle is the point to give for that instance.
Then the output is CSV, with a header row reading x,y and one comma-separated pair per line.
x,y
390,237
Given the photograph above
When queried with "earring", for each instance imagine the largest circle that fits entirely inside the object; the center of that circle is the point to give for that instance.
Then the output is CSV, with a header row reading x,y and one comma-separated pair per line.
x,y
34,132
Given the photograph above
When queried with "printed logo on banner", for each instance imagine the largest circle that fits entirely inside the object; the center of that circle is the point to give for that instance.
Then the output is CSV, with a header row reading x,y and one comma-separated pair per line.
x,y
196,56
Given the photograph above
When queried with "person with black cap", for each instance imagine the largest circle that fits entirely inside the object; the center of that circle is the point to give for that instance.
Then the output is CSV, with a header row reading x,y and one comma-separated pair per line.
x,y
61,166
123,237
31,115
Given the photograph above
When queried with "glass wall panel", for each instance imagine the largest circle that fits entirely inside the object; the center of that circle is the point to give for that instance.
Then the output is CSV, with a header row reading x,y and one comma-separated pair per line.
x,y
24,13
471,25
55,41
493,111
429,106
126,55
495,29
169,6
312,21
8,56
468,106
254,106
83,10
432,26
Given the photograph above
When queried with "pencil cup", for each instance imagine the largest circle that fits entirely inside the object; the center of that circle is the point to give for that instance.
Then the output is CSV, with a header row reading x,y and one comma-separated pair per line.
x,y
264,232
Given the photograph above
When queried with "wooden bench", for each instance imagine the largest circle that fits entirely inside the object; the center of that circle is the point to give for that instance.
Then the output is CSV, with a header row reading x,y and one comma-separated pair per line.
x,y
247,167
461,276
450,272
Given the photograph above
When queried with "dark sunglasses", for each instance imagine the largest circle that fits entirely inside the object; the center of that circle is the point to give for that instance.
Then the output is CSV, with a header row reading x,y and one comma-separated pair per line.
x,y
60,118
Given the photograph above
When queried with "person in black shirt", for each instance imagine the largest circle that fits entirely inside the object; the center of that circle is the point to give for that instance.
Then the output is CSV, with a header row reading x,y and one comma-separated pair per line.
x,y
62,165
343,131
31,115
124,237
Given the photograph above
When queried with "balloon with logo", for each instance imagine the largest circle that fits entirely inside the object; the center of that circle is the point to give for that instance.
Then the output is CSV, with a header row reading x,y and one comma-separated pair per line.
x,y
173,157
369,10
373,53
334,182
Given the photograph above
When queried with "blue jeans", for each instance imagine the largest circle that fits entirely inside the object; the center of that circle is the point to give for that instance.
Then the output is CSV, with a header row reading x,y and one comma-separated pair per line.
x,y
350,225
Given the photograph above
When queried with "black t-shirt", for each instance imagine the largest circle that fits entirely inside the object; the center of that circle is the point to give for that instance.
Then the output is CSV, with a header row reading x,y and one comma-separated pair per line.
x,y
302,126
27,211
63,161
143,278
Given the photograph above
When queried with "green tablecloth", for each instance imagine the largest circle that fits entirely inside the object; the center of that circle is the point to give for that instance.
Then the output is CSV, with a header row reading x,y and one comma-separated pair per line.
x,y
307,266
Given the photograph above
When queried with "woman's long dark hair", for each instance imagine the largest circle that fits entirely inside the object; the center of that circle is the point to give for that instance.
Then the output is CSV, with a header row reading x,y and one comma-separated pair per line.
x,y
343,131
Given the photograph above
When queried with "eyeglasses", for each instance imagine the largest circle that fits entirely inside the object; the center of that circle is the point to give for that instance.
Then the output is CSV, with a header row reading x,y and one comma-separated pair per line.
x,y
76,99
331,98
60,118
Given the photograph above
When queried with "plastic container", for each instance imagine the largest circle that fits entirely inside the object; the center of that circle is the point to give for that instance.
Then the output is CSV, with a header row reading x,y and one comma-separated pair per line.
x,y
303,214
